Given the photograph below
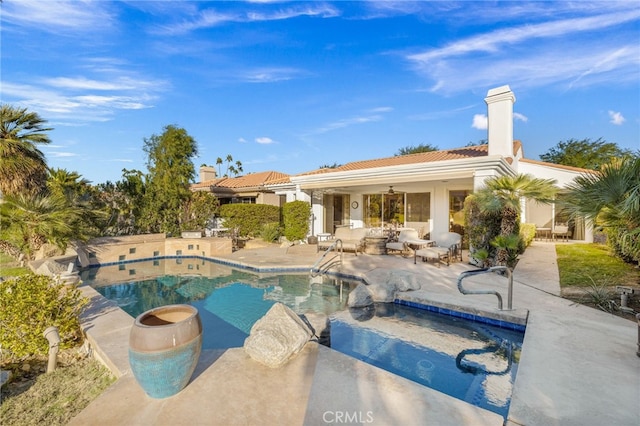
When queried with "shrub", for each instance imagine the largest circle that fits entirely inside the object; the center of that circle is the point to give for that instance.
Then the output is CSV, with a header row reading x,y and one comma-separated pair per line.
x,y
270,232
527,233
29,304
296,215
249,218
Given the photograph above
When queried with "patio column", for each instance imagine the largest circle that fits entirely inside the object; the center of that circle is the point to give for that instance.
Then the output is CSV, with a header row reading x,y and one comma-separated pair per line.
x,y
480,176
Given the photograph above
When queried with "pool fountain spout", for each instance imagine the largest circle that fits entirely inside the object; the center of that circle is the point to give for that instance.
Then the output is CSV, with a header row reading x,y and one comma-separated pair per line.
x,y
466,274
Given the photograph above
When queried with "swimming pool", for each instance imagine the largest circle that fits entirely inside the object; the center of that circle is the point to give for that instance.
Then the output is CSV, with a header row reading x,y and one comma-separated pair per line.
x,y
471,361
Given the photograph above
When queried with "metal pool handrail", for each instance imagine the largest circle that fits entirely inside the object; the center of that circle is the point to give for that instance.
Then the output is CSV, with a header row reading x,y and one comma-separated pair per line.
x,y
466,274
315,270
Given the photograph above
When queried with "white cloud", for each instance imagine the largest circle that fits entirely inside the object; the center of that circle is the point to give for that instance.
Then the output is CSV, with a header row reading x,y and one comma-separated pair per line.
x,y
83,83
381,109
264,140
375,114
571,52
210,17
81,99
53,16
494,41
270,75
57,154
521,117
340,124
616,118
480,121
242,140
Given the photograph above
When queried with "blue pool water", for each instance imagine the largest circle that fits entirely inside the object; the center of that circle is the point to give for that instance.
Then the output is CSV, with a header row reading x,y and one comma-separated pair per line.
x,y
468,360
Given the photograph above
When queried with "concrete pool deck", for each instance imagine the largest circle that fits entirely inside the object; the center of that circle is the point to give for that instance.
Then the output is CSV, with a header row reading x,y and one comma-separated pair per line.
x,y
578,365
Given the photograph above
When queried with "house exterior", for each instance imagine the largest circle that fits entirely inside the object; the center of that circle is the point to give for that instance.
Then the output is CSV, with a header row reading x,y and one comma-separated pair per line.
x,y
252,188
424,191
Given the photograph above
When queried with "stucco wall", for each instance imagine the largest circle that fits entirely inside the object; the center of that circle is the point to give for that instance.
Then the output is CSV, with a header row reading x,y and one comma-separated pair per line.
x,y
120,249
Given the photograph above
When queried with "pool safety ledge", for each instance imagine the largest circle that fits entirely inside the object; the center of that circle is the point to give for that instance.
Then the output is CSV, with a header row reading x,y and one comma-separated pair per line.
x,y
513,320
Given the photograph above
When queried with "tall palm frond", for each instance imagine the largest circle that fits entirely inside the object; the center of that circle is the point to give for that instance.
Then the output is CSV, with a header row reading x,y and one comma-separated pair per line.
x,y
22,165
30,220
611,199
610,196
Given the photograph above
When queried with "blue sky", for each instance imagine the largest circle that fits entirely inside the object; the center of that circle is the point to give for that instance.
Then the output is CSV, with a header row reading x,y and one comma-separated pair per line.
x,y
292,86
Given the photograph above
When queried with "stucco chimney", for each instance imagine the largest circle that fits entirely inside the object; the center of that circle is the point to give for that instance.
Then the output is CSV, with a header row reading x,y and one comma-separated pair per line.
x,y
207,173
500,116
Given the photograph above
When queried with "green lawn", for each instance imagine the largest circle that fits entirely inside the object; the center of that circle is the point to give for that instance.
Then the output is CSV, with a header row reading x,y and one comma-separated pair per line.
x,y
580,263
10,268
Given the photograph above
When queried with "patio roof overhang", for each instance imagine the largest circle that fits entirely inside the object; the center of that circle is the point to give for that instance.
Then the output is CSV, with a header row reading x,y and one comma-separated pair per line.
x,y
422,172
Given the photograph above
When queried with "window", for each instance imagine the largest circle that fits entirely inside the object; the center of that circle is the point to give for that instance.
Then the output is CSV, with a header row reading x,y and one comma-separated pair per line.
x,y
456,210
419,207
373,210
178,252
190,247
122,257
132,250
394,209
156,253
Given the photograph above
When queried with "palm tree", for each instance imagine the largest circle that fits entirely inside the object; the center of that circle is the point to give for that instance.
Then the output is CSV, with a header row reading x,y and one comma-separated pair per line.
x,y
503,194
611,198
219,163
28,221
23,167
65,183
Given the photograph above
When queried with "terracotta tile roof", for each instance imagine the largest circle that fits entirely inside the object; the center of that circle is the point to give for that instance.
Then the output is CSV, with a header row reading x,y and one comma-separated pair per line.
x,y
422,157
251,180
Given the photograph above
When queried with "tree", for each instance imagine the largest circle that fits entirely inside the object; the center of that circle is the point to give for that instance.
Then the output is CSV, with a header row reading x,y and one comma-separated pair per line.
x,y
586,154
502,194
219,163
79,195
23,168
199,210
64,183
231,168
123,202
611,199
28,221
330,166
170,173
416,149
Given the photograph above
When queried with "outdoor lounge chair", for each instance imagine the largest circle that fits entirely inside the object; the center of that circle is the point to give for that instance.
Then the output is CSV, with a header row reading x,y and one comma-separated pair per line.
x,y
352,240
448,246
408,240
561,231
